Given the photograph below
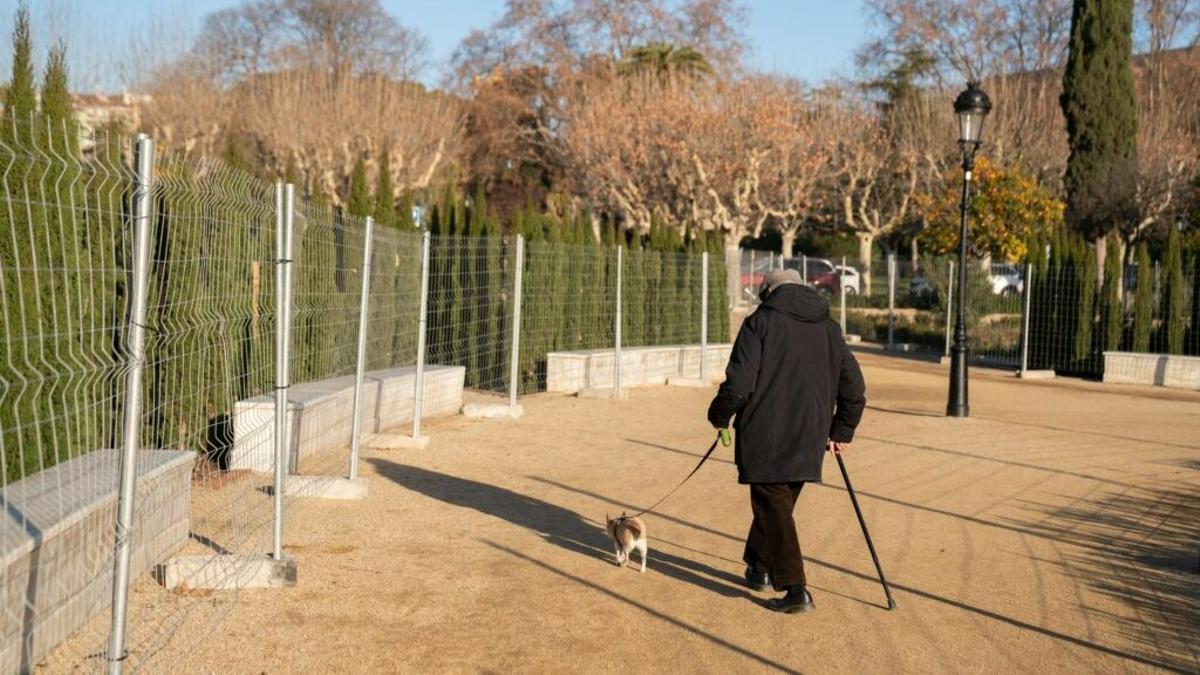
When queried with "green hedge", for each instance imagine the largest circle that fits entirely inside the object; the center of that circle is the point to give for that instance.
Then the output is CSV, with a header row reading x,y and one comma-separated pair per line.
x,y
211,316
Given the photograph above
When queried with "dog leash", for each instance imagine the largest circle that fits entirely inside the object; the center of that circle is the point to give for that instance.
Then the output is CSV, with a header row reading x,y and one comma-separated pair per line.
x,y
722,438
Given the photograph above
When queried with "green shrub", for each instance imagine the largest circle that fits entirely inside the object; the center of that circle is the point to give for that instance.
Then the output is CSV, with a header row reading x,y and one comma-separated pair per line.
x,y
1173,311
1143,302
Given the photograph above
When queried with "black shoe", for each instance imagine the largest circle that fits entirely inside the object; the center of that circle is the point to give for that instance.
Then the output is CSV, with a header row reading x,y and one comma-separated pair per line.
x,y
797,601
757,578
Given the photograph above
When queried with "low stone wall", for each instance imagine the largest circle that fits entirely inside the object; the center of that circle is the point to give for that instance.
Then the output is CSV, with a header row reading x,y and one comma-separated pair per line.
x,y
56,543
1164,370
572,371
320,412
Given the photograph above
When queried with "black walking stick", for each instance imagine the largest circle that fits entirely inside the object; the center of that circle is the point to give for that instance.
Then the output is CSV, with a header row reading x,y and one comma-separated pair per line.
x,y
871,547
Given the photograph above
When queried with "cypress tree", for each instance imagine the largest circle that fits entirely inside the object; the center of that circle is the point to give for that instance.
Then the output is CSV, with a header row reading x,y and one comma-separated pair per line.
x,y
478,216
291,174
56,101
1039,305
718,300
1101,114
1194,341
1143,303
500,304
70,298
20,99
1173,311
385,194
608,232
358,203
1085,308
405,220
386,276
1113,311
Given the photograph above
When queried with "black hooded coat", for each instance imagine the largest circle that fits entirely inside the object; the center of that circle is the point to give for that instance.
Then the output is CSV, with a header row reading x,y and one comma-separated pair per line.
x,y
793,385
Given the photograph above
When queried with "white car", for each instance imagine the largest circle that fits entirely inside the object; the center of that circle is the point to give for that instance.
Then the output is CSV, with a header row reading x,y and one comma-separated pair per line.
x,y
851,280
1006,279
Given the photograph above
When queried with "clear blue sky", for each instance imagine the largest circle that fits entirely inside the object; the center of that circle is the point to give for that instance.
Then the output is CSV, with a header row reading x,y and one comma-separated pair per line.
x,y
812,39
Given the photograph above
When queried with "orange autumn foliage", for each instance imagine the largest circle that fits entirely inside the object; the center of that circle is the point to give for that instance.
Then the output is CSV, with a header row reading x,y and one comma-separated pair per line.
x,y
1007,209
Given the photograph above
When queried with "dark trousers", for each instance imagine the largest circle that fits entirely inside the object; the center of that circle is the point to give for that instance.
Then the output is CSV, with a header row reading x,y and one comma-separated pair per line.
x,y
773,543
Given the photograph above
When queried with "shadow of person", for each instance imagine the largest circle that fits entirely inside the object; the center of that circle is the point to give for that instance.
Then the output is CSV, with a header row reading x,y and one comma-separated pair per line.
x,y
559,526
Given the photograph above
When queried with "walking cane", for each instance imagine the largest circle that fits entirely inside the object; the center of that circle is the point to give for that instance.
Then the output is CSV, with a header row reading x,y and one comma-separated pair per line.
x,y
891,604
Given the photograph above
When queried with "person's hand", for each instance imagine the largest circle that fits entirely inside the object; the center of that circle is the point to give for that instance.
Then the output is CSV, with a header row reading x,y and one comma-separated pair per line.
x,y
836,447
715,419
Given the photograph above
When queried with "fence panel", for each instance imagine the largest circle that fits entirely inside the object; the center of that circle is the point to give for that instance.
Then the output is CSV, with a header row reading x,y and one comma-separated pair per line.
x,y
470,308
64,263
207,429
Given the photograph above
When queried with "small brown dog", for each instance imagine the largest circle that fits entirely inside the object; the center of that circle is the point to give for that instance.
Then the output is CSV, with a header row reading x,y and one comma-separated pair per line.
x,y
628,533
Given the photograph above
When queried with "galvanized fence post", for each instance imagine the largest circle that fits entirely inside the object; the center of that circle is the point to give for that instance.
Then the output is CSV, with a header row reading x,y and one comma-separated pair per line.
x,y
361,360
514,368
891,269
131,438
703,310
1025,306
804,267
949,304
283,333
617,332
419,380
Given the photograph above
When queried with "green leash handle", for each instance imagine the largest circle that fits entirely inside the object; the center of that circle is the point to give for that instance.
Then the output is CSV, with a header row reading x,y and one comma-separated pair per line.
x,y
723,434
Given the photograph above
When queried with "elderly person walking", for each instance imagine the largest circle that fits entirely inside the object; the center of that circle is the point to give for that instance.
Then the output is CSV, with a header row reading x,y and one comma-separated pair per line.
x,y
794,391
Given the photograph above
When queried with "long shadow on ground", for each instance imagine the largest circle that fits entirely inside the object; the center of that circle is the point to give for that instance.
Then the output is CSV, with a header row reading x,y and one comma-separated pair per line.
x,y
1138,546
557,525
1155,658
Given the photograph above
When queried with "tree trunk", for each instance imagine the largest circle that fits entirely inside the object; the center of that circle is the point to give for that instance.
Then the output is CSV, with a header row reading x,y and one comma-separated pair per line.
x,y
915,254
1101,244
733,269
866,242
1123,251
789,242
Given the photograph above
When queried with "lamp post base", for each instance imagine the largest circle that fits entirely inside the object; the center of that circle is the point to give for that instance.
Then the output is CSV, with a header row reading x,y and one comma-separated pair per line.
x,y
957,405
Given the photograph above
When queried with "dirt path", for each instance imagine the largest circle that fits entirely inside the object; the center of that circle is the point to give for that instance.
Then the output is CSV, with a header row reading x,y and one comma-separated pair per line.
x,y
1054,531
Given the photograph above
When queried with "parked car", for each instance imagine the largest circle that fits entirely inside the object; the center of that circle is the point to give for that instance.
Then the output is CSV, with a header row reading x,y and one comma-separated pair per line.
x,y
752,280
1005,279
850,278
819,272
920,286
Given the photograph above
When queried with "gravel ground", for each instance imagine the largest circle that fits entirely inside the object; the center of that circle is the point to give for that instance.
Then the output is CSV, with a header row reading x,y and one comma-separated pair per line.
x,y
1055,530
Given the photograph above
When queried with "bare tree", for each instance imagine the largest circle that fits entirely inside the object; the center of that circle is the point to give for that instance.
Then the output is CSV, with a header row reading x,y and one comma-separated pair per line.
x,y
566,34
336,37
325,126
1168,136
876,169
315,81
800,134
973,40
718,156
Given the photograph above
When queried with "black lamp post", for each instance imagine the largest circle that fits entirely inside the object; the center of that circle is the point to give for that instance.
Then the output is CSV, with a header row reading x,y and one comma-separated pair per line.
x,y
971,108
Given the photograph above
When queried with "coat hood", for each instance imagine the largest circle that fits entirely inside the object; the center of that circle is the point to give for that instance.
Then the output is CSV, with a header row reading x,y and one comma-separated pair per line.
x,y
802,303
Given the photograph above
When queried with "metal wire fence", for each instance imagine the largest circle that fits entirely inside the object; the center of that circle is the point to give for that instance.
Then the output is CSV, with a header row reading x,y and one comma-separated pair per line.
x,y
1051,313
64,252
470,308
191,351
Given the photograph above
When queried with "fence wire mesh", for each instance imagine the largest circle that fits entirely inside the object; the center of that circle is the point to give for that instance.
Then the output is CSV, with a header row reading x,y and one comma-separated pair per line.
x,y
1074,314
470,313
211,318
64,251
206,417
